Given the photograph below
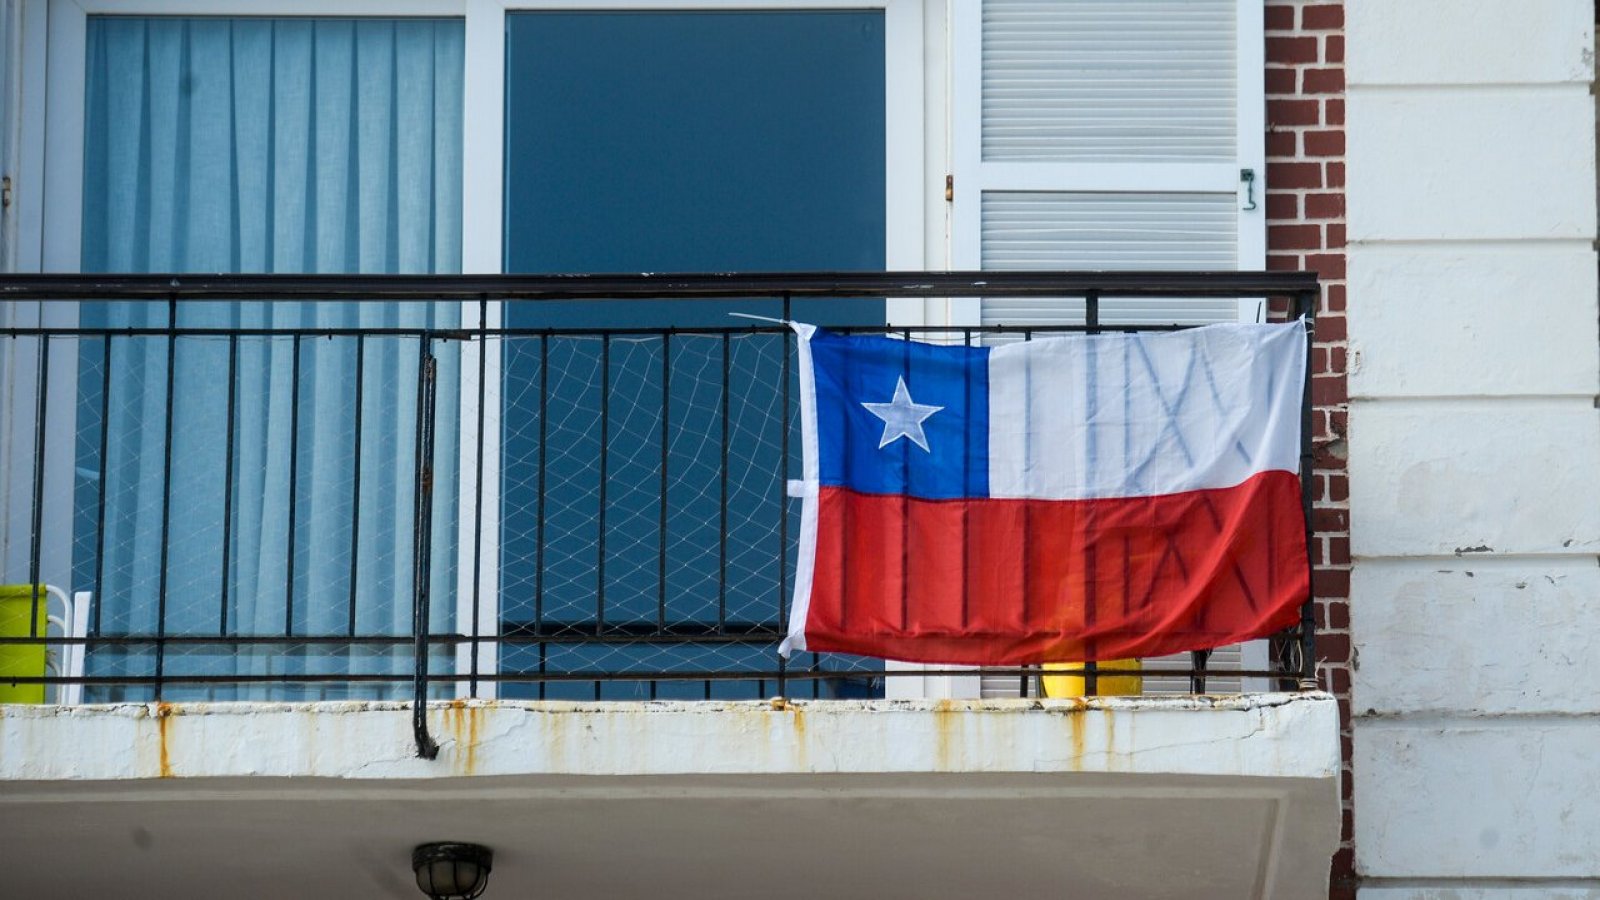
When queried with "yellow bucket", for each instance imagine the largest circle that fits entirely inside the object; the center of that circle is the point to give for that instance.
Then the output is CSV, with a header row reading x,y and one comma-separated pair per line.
x,y
1105,685
17,604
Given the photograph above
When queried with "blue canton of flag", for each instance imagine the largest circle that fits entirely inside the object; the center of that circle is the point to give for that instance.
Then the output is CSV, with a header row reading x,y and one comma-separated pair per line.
x,y
873,397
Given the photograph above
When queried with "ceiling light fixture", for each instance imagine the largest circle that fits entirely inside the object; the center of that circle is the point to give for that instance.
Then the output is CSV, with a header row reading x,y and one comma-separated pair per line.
x,y
452,871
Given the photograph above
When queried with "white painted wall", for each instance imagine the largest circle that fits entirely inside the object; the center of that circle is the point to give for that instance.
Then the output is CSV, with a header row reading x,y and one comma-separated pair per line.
x,y
1474,447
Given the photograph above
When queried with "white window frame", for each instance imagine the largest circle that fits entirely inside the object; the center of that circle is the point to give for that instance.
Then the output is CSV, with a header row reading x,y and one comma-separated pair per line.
x,y
27,145
50,232
10,81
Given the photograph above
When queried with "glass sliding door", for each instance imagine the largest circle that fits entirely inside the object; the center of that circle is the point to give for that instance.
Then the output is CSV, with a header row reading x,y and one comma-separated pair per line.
x,y
262,145
670,142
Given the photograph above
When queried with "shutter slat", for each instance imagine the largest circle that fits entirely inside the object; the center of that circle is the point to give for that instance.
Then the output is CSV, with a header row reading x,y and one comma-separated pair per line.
x,y
1085,231
1166,67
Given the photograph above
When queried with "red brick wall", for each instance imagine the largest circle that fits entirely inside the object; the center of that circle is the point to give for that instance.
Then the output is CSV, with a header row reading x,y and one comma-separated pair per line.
x,y
1305,230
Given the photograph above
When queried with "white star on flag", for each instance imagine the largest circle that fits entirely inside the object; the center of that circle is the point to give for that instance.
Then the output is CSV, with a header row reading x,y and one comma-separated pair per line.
x,y
902,418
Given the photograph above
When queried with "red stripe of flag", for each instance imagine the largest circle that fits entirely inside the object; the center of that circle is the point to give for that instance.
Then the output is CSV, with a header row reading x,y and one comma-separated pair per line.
x,y
937,581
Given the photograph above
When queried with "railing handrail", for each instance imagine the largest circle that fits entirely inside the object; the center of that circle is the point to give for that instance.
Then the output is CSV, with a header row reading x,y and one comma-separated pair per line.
x,y
346,287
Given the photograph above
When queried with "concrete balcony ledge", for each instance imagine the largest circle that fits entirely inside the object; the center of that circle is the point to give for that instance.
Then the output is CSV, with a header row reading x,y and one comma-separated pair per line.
x,y
1257,735
1223,797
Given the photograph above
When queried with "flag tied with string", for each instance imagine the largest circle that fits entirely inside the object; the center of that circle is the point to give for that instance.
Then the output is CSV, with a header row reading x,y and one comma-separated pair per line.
x,y
1089,497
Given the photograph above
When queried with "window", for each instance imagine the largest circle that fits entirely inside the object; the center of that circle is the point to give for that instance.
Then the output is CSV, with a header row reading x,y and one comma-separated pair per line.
x,y
180,138
260,145
750,140
342,136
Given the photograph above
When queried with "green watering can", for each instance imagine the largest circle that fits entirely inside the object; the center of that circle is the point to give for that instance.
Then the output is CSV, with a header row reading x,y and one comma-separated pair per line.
x,y
19,603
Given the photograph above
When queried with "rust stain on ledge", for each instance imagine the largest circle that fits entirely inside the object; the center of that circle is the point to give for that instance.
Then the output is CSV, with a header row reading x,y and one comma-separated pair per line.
x,y
944,724
1076,737
792,723
464,721
163,719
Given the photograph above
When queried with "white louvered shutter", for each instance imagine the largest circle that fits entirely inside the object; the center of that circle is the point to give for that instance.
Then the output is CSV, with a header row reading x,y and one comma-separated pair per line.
x,y
1110,134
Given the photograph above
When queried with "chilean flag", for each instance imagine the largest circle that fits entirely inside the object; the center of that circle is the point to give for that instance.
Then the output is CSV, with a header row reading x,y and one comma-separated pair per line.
x,y
1090,497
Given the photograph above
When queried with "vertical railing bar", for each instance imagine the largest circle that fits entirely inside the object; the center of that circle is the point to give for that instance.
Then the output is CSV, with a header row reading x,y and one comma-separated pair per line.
x,y
1091,669
846,526
966,480
166,498
1027,533
227,483
905,503
816,683
36,539
98,600
722,501
783,506
605,474
1306,302
539,510
1198,660
294,488
477,500
421,547
539,505
355,482
666,436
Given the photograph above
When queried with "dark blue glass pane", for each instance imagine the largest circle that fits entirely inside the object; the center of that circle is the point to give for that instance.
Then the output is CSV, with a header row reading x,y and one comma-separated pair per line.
x,y
694,142
672,142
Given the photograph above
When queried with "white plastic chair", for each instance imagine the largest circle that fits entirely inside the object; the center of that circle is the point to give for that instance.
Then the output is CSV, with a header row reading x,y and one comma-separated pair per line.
x,y
72,623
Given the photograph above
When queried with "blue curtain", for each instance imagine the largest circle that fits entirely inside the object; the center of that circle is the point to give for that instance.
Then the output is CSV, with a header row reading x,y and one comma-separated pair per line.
x,y
262,145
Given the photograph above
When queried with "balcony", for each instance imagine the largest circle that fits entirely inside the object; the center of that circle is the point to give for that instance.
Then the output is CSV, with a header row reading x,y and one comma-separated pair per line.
x,y
429,538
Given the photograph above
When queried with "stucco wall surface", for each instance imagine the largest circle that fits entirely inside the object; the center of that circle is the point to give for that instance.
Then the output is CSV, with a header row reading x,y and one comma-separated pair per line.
x,y
1474,447
1491,798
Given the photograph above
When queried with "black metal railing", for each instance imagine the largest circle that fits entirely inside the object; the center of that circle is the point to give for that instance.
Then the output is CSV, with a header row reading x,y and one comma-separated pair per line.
x,y
248,497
